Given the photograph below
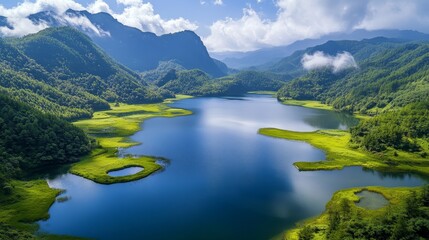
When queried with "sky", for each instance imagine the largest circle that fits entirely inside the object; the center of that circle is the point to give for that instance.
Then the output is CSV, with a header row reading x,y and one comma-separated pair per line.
x,y
234,25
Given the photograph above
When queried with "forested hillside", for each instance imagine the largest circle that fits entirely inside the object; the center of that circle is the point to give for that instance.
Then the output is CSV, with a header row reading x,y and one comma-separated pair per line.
x,y
31,140
388,79
390,83
360,50
60,71
140,51
403,129
198,83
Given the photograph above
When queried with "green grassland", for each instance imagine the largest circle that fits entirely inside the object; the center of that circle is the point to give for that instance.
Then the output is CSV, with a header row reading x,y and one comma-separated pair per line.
x,y
340,153
395,196
28,202
112,129
307,104
272,93
317,105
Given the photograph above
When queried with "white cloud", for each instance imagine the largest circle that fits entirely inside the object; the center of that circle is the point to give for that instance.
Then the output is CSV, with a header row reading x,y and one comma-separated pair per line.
x,y
302,19
83,23
99,6
21,26
142,16
136,13
218,2
338,63
130,2
17,16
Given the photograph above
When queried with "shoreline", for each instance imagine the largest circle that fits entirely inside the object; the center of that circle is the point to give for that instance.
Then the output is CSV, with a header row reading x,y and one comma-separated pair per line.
x,y
31,200
317,105
340,154
320,224
112,129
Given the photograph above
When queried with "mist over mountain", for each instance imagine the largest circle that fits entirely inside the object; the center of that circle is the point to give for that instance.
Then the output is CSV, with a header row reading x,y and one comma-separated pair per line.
x,y
139,51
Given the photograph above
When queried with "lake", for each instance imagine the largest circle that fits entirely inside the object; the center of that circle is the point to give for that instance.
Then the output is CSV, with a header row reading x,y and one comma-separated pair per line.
x,y
223,180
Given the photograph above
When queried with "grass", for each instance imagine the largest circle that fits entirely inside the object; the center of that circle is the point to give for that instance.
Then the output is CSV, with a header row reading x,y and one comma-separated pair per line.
x,y
340,153
318,105
307,104
395,196
112,130
29,202
273,93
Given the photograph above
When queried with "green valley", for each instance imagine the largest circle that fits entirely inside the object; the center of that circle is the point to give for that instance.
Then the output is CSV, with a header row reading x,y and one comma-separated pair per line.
x,y
121,120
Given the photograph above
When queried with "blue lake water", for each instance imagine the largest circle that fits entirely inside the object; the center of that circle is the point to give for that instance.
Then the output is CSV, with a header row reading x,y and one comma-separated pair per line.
x,y
125,172
223,180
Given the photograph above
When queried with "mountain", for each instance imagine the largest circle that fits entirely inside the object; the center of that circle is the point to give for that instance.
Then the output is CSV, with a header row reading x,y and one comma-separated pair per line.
x,y
140,51
264,56
61,71
390,83
390,75
4,23
198,83
360,50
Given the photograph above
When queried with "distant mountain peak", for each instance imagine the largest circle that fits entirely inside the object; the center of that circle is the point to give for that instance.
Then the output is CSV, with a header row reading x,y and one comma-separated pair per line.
x,y
5,23
140,51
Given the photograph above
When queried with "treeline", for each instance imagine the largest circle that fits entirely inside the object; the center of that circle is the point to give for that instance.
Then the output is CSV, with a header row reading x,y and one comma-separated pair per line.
x,y
30,140
399,129
62,72
407,221
198,83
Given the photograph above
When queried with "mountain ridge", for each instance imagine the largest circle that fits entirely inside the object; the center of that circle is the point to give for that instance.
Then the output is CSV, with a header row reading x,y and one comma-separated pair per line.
x,y
138,50
263,56
61,71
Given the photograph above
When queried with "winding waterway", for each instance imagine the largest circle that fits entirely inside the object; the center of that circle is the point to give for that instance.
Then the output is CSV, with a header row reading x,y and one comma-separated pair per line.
x,y
224,181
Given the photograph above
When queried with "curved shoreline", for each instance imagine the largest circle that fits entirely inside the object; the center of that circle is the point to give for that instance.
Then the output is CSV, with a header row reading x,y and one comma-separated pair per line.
x,y
339,153
320,224
112,130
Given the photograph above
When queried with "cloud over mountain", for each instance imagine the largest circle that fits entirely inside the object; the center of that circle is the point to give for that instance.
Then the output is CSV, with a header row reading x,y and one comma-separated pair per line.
x,y
136,13
338,63
294,20
302,19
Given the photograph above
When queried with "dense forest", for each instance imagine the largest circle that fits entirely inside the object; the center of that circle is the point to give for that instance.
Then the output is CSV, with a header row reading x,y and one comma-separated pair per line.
x,y
30,140
387,79
62,72
400,129
405,221
198,83
360,50
390,83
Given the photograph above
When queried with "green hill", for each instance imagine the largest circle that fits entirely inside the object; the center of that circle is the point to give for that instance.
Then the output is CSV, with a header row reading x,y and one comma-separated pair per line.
x,y
198,83
361,50
61,71
391,84
31,140
389,79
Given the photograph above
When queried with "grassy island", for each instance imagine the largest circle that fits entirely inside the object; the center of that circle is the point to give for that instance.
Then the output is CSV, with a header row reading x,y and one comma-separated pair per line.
x,y
112,129
343,219
30,200
341,153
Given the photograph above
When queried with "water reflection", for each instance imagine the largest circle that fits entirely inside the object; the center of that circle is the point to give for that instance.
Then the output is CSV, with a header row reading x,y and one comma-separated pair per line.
x,y
224,181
